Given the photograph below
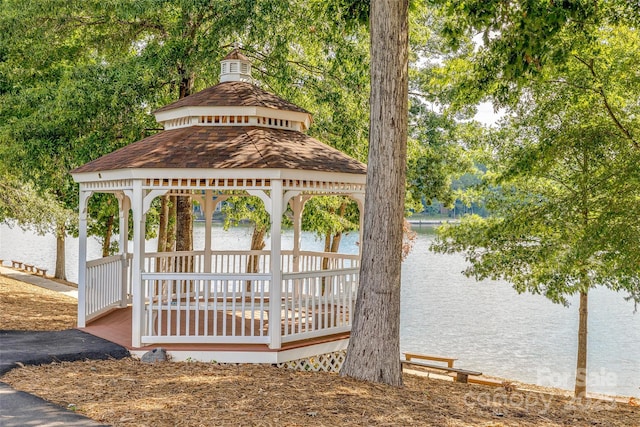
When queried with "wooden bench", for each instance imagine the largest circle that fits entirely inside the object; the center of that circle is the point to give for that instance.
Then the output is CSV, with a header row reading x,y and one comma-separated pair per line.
x,y
448,360
462,375
29,267
16,264
41,271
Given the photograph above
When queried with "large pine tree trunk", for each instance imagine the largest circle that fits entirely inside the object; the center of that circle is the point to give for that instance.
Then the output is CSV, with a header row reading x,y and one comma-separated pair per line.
x,y
580,390
374,348
61,234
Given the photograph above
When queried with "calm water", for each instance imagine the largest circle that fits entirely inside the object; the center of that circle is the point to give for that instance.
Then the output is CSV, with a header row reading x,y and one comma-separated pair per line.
x,y
486,325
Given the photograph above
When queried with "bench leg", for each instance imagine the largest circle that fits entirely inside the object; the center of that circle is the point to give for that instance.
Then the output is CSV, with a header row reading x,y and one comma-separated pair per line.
x,y
462,378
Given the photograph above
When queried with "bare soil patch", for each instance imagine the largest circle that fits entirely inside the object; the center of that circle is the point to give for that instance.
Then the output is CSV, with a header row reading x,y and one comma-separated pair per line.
x,y
130,393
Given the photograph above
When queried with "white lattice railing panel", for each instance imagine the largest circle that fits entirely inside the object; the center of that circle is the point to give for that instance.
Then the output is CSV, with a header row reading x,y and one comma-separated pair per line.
x,y
328,362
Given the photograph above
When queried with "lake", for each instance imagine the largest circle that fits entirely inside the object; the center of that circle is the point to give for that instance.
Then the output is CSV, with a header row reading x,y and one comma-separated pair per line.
x,y
486,325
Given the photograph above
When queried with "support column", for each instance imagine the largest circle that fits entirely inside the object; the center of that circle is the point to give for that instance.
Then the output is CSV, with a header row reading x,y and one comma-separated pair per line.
x,y
124,204
137,320
275,289
82,257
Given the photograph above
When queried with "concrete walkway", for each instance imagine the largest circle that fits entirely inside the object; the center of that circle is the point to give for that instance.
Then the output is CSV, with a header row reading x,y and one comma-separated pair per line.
x,y
38,281
18,408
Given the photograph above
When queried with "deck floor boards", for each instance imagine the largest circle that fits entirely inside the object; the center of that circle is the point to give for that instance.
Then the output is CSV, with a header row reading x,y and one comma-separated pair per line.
x,y
115,326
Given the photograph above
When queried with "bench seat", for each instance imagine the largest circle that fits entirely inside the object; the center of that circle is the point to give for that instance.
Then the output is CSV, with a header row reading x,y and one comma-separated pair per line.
x,y
462,375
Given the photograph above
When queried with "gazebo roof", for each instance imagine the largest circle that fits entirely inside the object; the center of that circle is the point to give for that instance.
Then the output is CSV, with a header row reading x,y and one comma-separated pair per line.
x,y
233,125
227,147
233,94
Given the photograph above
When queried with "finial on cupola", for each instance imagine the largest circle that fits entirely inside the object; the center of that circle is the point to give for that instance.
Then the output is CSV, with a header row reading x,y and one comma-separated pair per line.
x,y
235,67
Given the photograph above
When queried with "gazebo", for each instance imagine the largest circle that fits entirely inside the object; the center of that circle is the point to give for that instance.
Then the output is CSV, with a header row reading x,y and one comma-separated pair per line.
x,y
268,306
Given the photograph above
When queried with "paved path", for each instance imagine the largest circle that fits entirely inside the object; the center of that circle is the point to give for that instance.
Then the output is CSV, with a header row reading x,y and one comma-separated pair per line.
x,y
18,409
39,281
40,347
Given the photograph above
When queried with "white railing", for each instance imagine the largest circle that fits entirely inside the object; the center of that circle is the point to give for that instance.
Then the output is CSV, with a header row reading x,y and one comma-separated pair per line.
x,y
186,303
241,262
174,262
316,261
107,284
206,308
318,303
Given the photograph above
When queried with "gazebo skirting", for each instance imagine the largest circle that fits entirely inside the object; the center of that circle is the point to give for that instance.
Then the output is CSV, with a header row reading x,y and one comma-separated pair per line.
x,y
228,298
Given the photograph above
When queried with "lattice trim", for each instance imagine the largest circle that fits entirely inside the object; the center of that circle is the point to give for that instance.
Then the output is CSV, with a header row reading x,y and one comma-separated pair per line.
x,y
329,362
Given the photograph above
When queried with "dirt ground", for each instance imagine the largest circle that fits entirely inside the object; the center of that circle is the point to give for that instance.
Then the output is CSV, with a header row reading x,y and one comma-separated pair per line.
x,y
130,393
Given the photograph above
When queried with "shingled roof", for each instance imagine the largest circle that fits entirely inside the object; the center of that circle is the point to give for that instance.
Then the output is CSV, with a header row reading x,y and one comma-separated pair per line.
x,y
233,93
227,147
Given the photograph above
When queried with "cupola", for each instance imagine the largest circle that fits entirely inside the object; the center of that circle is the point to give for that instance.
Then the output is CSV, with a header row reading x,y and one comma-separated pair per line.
x,y
235,67
235,101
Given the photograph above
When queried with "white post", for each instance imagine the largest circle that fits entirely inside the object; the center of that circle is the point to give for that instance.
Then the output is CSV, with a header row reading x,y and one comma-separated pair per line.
x,y
82,257
137,321
275,290
124,204
208,217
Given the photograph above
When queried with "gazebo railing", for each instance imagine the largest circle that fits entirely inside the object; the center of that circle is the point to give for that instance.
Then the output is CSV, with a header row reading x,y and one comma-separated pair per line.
x,y
206,308
184,303
318,303
107,284
239,262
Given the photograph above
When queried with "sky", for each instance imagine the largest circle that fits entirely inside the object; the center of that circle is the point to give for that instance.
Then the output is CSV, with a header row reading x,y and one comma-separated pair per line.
x,y
486,114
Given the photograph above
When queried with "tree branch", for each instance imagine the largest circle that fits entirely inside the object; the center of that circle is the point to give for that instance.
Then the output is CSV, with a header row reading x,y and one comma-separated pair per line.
x,y
608,107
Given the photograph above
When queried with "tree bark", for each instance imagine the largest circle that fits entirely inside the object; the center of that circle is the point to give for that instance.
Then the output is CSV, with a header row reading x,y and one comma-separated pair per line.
x,y
61,234
106,243
184,224
171,225
163,225
184,209
257,244
580,390
184,230
374,348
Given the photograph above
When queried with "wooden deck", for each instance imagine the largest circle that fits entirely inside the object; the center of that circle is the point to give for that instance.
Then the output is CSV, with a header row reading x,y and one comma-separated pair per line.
x,y
115,326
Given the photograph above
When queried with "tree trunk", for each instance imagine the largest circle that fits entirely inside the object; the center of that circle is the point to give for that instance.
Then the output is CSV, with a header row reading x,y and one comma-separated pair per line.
x,y
106,243
580,390
184,231
184,208
184,224
257,244
163,224
171,225
374,348
61,234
